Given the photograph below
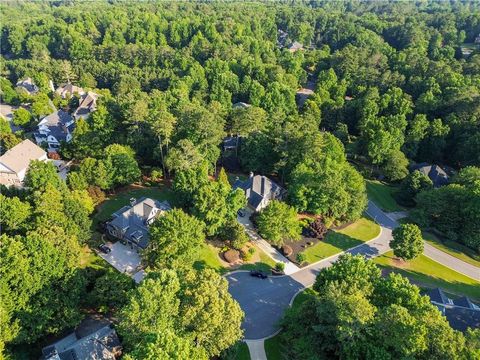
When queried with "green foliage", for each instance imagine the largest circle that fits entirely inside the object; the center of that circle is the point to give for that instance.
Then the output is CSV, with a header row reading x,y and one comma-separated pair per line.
x,y
21,117
395,166
194,317
301,258
412,185
40,174
110,290
235,234
407,241
175,239
278,222
367,316
14,214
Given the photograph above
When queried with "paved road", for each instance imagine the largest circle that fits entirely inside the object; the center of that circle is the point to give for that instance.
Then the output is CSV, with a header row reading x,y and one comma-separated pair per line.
x,y
264,301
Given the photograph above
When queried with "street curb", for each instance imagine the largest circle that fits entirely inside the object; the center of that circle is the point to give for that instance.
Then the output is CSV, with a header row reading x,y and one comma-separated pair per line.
x,y
448,267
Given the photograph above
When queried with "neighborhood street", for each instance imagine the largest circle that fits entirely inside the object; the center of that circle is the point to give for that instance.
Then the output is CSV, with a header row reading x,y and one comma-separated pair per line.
x,y
264,301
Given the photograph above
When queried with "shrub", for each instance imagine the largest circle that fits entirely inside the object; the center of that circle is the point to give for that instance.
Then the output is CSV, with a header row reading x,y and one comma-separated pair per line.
x,y
156,175
301,257
97,194
318,228
280,266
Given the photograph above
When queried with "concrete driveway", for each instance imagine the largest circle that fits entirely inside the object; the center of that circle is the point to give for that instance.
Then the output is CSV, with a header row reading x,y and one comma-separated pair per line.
x,y
123,258
263,300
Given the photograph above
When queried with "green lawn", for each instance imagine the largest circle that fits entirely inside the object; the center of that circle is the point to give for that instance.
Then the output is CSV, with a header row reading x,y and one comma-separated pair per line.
x,y
428,273
242,352
208,258
337,241
453,248
382,195
114,203
266,263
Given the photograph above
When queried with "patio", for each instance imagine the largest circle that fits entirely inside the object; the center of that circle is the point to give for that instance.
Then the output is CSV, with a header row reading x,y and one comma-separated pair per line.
x,y
124,259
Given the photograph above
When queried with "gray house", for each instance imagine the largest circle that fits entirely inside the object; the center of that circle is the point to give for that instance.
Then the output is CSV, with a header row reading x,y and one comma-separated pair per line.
x,y
130,223
438,176
259,190
87,104
102,344
54,129
461,313
28,86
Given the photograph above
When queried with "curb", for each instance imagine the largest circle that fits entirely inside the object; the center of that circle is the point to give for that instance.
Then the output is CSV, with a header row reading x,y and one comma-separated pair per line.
x,y
448,267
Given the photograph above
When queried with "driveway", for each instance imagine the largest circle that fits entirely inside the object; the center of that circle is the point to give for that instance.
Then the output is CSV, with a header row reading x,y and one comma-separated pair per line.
x,y
263,300
125,260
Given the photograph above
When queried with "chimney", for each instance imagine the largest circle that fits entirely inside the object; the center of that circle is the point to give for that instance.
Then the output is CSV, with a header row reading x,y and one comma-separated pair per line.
x,y
251,174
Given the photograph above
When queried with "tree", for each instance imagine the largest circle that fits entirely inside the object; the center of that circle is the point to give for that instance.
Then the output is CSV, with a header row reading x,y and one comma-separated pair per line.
x,y
21,117
407,241
278,223
185,156
247,120
395,166
41,173
175,239
13,214
412,185
124,167
110,290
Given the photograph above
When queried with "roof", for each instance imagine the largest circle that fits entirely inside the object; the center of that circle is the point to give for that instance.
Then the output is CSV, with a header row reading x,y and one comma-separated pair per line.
x,y
257,188
461,318
133,220
101,345
87,104
241,105
18,158
295,46
466,303
231,141
69,89
57,124
28,85
439,297
438,176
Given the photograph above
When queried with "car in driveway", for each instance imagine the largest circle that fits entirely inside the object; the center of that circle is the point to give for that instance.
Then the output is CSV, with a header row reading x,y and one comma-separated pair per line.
x,y
241,213
104,248
258,273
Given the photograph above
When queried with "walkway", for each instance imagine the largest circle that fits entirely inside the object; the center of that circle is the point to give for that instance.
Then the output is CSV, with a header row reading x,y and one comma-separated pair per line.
x,y
264,301
268,249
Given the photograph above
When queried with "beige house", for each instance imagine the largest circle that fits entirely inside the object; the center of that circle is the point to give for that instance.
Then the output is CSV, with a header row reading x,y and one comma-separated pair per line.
x,y
14,163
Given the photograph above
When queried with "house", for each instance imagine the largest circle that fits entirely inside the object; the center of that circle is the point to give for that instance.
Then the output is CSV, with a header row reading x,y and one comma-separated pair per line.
x,y
438,176
102,344
130,223
461,313
295,46
14,163
87,104
259,190
240,105
231,143
54,129
68,90
28,86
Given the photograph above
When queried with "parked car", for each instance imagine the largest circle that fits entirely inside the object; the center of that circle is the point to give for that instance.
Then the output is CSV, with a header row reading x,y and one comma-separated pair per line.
x,y
258,273
241,213
104,248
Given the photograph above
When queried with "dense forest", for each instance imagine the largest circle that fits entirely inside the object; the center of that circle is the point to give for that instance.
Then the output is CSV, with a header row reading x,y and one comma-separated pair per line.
x,y
391,87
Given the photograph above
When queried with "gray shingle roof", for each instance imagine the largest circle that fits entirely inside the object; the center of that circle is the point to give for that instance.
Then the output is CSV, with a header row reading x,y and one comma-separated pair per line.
x,y
438,176
257,188
57,124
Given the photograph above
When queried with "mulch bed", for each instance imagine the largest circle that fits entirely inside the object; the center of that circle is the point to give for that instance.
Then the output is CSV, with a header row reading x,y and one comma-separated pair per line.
x,y
298,247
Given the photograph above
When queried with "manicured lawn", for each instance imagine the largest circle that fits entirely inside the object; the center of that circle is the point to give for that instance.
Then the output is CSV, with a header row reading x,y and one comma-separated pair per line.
x,y
90,259
243,353
453,248
208,258
114,203
337,241
382,195
427,273
265,262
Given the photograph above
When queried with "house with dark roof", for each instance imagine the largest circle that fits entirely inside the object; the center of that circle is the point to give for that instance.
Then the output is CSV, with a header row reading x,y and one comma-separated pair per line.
x,y
259,191
438,175
67,90
54,129
103,344
28,86
231,143
87,104
241,105
130,223
461,313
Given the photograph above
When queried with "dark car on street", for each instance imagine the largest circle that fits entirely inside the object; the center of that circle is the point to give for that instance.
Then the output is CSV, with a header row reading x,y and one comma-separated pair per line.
x,y
104,248
258,273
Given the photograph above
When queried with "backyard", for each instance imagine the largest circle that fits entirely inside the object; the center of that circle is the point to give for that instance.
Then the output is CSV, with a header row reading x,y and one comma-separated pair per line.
x,y
383,195
425,272
339,240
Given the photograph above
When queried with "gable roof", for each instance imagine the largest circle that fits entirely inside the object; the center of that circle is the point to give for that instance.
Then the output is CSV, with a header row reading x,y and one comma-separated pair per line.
x,y
18,158
438,296
438,176
28,85
461,318
466,303
257,188
57,123
101,345
87,104
69,89
295,46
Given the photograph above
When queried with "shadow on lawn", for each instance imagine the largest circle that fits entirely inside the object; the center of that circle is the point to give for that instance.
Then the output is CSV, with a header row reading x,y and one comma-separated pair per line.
x,y
333,243
423,280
